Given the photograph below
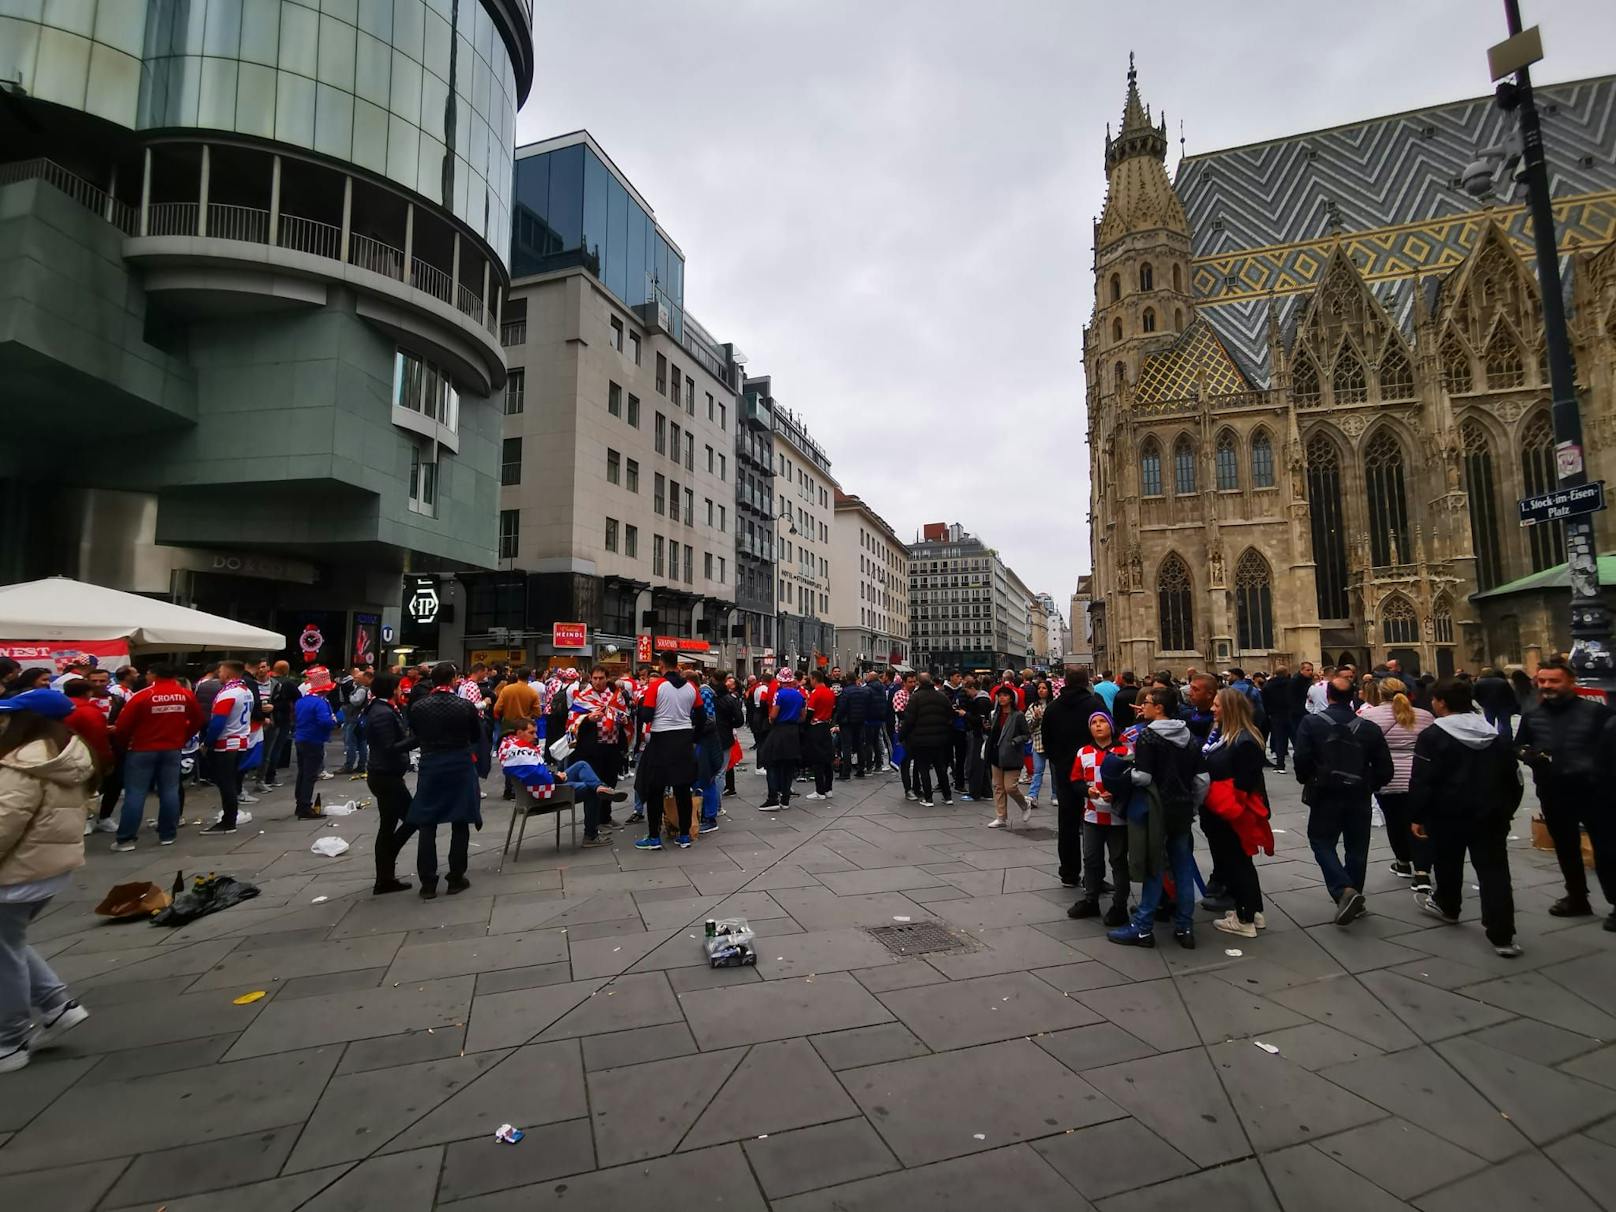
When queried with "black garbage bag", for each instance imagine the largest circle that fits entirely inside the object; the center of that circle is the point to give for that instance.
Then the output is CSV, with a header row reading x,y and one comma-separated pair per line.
x,y
207,894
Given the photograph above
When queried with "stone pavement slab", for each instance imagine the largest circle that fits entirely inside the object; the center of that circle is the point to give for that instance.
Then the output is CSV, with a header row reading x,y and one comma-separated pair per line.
x,y
1007,1180
780,1009
828,1155
961,1013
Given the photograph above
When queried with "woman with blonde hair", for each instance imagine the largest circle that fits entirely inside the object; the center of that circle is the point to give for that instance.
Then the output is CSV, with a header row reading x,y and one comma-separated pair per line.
x,y
1236,820
1402,722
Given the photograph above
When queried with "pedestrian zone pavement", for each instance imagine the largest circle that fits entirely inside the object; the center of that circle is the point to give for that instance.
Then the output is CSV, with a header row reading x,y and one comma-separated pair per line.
x,y
1033,1065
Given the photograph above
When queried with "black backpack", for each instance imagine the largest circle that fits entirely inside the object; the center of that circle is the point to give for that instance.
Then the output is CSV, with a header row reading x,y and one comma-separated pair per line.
x,y
1343,759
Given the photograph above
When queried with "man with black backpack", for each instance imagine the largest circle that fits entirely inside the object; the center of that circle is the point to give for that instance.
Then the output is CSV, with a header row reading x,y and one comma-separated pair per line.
x,y
1341,761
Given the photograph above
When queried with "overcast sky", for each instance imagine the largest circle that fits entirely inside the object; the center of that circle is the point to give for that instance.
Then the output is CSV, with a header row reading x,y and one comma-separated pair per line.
x,y
887,205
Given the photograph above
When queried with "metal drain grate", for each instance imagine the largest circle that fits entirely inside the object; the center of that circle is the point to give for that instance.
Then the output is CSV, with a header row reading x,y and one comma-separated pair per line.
x,y
921,938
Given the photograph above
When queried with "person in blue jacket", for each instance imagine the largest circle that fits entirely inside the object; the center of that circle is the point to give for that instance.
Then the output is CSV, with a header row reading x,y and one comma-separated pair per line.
x,y
312,722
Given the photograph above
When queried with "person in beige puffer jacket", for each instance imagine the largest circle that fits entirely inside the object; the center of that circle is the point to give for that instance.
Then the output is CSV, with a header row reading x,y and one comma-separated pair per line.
x,y
47,776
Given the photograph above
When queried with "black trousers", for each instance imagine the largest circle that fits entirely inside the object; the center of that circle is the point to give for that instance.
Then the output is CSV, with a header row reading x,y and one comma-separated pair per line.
x,y
1280,730
426,852
1069,820
1489,856
223,767
1234,866
1407,847
1568,809
310,761
853,744
1215,880
111,787
927,762
392,830
652,799
977,777
961,743
1099,843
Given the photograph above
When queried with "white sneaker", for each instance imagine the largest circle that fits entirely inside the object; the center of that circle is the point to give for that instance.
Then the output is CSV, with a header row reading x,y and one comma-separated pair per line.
x,y
760,770
89,826
244,798
16,1058
54,1026
326,774
1230,923
106,825
771,807
997,822
1259,921
830,795
910,795
1026,815
813,795
893,766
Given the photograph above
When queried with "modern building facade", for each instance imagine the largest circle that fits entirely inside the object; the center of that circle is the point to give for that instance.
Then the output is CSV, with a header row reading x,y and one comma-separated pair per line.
x,y
1056,635
1316,385
869,597
968,609
805,498
755,585
617,462
256,254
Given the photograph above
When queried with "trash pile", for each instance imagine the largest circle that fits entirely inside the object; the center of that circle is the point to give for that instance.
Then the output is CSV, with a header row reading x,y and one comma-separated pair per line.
x,y
728,943
207,894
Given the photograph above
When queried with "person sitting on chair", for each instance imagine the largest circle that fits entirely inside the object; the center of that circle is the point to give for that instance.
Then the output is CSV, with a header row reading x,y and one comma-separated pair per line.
x,y
521,756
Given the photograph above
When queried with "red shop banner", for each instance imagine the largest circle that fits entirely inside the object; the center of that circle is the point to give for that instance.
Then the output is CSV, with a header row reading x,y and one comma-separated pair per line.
x,y
669,643
642,649
59,654
569,635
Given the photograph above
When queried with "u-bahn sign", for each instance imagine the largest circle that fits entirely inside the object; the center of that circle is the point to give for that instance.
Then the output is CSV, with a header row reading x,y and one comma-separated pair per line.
x,y
1562,503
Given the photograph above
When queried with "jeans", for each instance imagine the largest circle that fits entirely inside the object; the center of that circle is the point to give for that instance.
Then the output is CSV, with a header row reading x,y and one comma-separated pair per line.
x,y
855,742
224,772
111,786
310,761
1489,856
392,806
960,744
26,981
1039,762
711,799
143,771
586,785
264,774
281,756
1338,819
426,854
1181,862
1069,799
355,749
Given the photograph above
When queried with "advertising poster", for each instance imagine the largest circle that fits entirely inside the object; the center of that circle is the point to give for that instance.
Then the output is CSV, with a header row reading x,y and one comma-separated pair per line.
x,y
59,654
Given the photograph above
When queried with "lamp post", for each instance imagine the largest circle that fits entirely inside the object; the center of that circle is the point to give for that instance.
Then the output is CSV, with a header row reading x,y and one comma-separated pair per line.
x,y
1591,650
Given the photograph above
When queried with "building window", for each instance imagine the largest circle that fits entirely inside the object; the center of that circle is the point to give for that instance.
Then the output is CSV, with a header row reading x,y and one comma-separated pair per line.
x,y
1262,460
611,534
690,508
614,467
1388,506
1174,605
661,375
1116,330
634,347
1177,280
707,565
690,565
510,529
657,493
1227,462
1148,320
419,386
723,417
661,432
711,407
1116,287
674,384
690,451
723,518
1178,313
1545,540
1119,375
1399,624
658,545
1347,382
617,334
633,483
1328,525
634,411
1184,467
1254,602
720,570
676,440
709,501
1150,469
1305,382
1455,360
710,456
1396,376
423,491
1503,358
614,399
631,542
690,395
515,382
1484,521
1147,277
673,499
1442,620
510,461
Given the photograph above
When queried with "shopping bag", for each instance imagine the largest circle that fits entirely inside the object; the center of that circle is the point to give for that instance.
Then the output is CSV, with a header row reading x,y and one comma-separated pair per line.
x,y
900,753
561,749
133,900
735,755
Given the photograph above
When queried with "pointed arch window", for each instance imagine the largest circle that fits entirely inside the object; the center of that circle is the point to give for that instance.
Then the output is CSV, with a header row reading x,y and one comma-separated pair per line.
x,y
1480,486
1120,374
1455,359
1178,319
1545,540
1262,460
1396,375
1347,382
1148,320
1178,281
1150,469
1116,287
1399,623
1388,500
1253,602
1304,382
1442,619
1116,330
1184,467
1226,461
1147,277
1174,605
1327,521
1503,361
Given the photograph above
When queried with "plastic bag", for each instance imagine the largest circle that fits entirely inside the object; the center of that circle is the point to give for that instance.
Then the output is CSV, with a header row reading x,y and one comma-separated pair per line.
x,y
347,809
208,894
329,845
729,943
243,816
561,749
900,753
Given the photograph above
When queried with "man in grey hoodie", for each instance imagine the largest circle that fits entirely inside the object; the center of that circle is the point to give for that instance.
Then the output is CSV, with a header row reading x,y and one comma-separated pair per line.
x,y
1465,788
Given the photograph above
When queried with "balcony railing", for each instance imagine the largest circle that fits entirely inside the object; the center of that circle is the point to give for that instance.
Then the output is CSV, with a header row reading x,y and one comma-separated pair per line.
x,y
310,236
119,214
430,278
171,219
226,222
469,302
375,256
513,332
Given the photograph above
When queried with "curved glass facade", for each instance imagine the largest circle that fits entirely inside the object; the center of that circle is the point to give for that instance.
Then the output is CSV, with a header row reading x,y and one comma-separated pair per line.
x,y
421,92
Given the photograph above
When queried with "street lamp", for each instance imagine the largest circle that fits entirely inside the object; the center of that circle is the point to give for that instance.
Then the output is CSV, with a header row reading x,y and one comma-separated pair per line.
x,y
1591,655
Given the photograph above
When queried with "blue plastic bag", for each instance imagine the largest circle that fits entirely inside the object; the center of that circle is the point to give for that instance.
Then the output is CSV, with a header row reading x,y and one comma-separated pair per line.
x,y
900,754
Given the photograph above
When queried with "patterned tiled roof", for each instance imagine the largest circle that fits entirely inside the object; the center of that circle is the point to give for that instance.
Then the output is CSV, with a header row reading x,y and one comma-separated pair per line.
x,y
1264,217
1172,373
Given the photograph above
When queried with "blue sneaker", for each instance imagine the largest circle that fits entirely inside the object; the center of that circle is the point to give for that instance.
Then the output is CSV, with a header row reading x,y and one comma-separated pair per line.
x,y
1128,936
648,843
683,840
709,826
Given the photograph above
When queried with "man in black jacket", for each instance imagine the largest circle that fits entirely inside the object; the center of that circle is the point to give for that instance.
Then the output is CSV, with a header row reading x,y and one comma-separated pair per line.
x,y
1340,761
1065,731
389,744
1560,741
927,732
1277,701
1465,788
1124,712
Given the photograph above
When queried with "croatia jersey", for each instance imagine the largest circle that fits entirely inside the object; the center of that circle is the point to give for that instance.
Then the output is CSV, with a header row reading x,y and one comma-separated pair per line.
x,y
1097,810
234,703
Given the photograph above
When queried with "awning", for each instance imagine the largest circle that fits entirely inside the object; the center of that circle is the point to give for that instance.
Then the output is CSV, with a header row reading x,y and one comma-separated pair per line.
x,y
60,608
1550,578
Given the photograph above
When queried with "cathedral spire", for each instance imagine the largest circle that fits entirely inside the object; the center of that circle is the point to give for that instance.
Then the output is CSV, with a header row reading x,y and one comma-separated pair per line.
x,y
1139,195
1135,115
1139,135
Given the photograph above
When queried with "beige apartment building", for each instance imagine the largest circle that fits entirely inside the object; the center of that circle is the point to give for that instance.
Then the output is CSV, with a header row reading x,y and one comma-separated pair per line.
x,y
804,495
869,599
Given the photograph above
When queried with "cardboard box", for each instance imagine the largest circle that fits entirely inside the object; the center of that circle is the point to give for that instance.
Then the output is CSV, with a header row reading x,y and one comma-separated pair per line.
x,y
670,817
1542,841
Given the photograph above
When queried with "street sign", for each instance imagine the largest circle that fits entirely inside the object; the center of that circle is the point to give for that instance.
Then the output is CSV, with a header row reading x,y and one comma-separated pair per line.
x,y
1562,503
1514,53
387,633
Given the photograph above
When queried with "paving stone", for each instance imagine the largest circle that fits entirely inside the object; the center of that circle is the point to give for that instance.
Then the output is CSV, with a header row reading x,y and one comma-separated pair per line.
x,y
188,1107
880,879
583,931
1536,1041
1153,1010
991,912
189,1169
1241,1186
359,1113
636,1046
816,951
1007,1180
640,999
1315,1046
1591,1164
533,977
782,875
513,914
338,1017
1179,1098
389,914
1536,996
925,896
962,1013
1221,1011
403,1182
1304,1178
1400,1156
1343,1003
827,1155
1431,1013
1013,949
777,1087
905,974
1135,963
1420,1086
29,1091
1522,1184
1597,1066
1085,974
1112,1157
868,1045
822,909
1361,951
644,1111
765,1010
1542,1102
63,1188
502,1020
611,954
434,961
1281,1103
684,980
933,1107
676,913
718,1178
1591,977
477,1166
538,1084
1031,879
1443,973
249,963
406,1048
1093,1046
169,1020
285,1194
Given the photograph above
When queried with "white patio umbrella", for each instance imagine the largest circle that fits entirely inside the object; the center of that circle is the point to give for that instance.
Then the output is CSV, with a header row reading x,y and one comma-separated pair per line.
x,y
60,608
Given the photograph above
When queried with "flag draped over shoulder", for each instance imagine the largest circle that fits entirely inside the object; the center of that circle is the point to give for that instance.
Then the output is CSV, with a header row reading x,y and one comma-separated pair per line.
x,y
525,764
